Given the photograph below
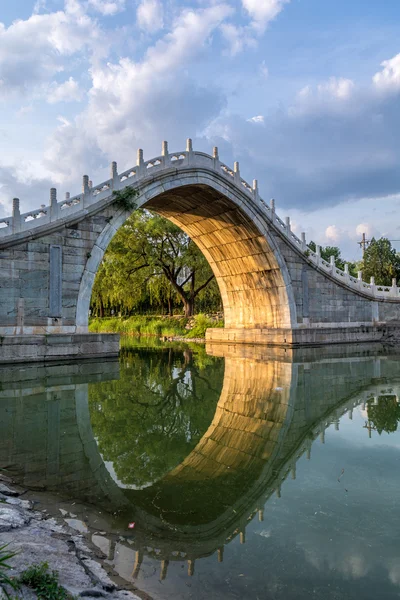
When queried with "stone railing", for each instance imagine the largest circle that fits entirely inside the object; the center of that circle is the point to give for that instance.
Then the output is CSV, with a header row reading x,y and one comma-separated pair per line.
x,y
90,195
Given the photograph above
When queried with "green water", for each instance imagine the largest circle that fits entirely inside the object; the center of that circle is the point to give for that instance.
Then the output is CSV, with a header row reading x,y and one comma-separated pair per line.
x,y
221,473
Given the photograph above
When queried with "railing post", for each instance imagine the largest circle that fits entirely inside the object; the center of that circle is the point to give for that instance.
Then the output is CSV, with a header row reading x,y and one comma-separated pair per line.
x,y
332,263
67,195
16,222
346,271
287,222
114,176
165,153
189,150
53,205
236,171
359,279
139,162
216,158
255,190
272,207
394,289
85,190
318,253
303,241
372,283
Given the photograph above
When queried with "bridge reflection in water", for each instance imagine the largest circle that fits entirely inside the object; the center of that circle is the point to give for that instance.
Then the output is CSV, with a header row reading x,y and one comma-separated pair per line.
x,y
59,426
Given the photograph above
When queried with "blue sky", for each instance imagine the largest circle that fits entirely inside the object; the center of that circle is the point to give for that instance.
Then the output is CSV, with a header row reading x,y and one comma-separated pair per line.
x,y
304,93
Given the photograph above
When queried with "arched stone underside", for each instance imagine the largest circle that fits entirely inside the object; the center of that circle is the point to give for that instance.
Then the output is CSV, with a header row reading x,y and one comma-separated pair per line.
x,y
274,288
244,261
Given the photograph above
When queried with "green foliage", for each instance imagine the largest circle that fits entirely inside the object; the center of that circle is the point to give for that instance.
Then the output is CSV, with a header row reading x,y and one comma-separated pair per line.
x,y
5,556
151,264
328,251
125,198
381,261
385,415
44,583
150,419
140,325
201,324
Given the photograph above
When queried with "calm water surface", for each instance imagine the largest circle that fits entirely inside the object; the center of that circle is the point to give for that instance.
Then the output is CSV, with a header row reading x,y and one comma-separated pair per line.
x,y
230,473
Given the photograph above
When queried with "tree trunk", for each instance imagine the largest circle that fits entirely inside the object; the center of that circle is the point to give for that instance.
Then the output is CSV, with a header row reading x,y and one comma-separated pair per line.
x,y
101,311
188,306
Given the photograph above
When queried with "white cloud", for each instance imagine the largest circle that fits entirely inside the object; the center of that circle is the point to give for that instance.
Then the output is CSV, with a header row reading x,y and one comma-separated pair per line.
x,y
337,87
238,38
333,233
150,15
141,103
32,51
263,11
389,77
68,91
107,7
258,119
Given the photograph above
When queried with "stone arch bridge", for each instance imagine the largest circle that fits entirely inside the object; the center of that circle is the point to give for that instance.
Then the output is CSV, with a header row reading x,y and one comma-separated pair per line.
x,y
274,288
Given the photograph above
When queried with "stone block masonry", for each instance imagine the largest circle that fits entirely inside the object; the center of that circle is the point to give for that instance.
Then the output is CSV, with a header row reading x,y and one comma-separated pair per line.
x,y
274,288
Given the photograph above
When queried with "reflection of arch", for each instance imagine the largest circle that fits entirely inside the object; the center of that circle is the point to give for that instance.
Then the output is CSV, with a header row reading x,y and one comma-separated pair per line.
x,y
282,402
233,235
321,399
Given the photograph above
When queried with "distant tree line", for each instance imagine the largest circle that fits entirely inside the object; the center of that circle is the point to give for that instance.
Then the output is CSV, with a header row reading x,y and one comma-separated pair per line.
x,y
380,261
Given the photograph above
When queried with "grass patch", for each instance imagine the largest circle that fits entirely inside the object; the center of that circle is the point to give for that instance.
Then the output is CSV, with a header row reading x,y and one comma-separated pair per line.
x,y
44,583
155,326
140,325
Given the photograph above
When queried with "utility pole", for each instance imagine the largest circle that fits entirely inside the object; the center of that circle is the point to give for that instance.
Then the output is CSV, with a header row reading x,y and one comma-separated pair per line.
x,y
363,244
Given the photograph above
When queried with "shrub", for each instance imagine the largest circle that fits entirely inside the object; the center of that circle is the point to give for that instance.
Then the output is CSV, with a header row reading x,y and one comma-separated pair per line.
x,y
44,583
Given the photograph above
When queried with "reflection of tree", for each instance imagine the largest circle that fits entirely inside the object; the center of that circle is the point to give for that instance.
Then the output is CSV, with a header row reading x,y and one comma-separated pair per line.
x,y
151,418
385,415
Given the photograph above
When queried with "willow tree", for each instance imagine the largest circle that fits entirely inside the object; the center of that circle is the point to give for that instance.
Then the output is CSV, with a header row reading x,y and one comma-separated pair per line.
x,y
151,256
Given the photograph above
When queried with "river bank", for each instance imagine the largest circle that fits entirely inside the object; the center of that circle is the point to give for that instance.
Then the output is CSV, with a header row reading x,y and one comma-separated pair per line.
x,y
37,536
175,328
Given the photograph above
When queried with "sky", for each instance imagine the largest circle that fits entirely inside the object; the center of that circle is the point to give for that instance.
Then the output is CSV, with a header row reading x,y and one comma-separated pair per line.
x,y
305,94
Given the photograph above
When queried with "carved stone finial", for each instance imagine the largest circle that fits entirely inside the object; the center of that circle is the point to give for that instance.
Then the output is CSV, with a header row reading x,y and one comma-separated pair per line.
x,y
372,281
332,261
272,204
394,282
114,171
303,237
359,275
139,160
255,185
287,221
189,145
164,149
215,152
53,195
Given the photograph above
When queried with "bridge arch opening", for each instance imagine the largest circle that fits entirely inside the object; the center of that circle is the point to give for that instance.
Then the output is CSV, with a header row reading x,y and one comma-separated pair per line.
x,y
251,274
